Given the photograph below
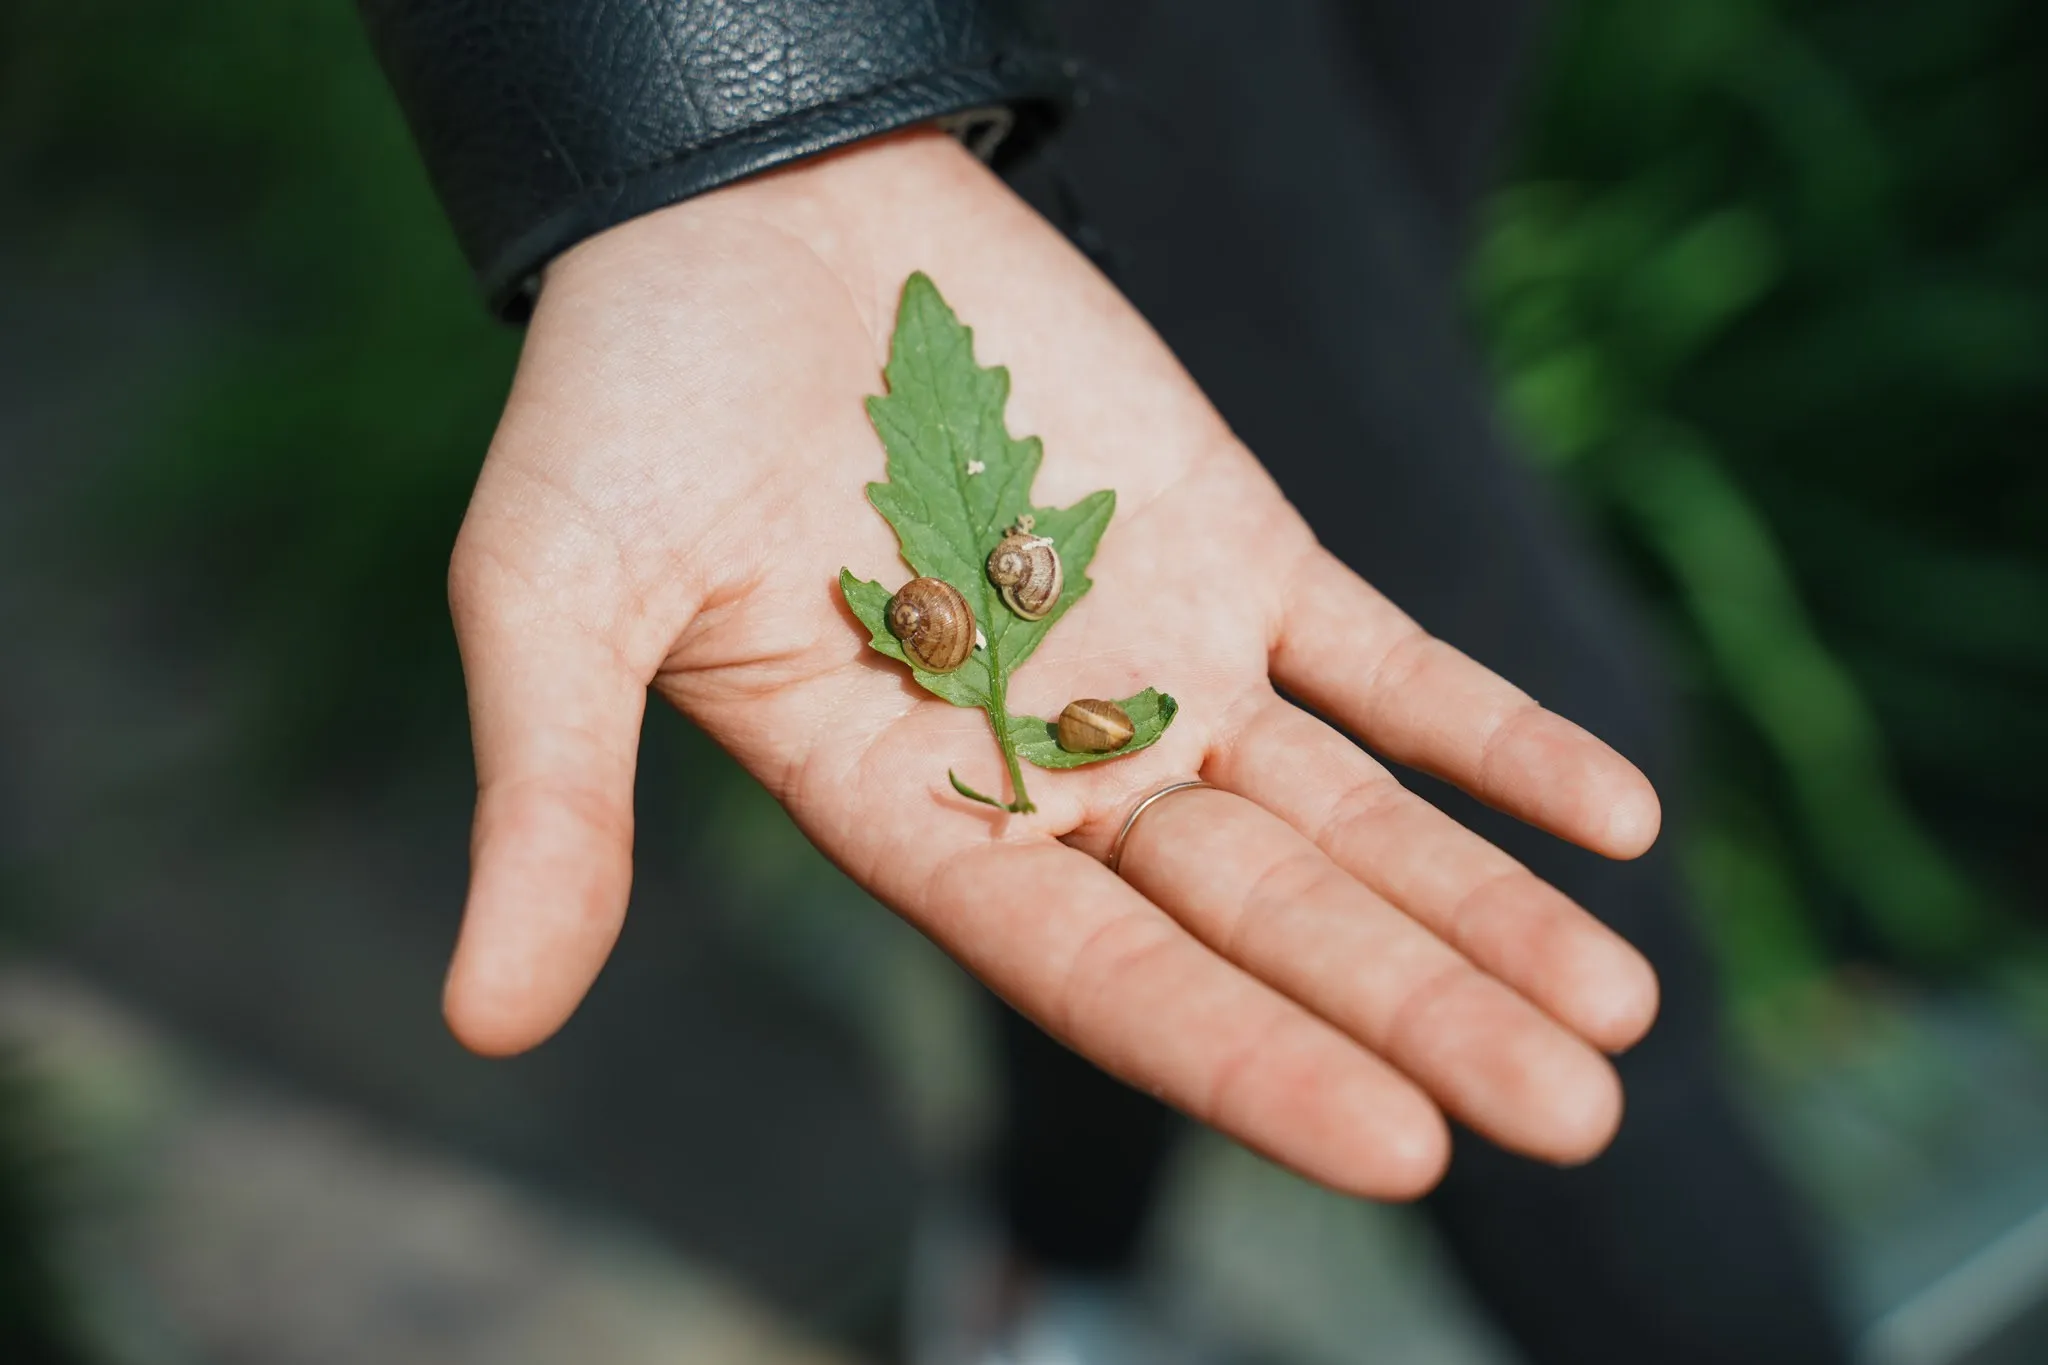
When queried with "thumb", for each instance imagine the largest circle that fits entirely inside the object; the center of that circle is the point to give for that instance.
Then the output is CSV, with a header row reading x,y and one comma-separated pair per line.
x,y
555,718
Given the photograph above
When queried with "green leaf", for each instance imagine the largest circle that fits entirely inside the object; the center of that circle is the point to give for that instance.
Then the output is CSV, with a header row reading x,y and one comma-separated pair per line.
x,y
1037,741
968,685
957,480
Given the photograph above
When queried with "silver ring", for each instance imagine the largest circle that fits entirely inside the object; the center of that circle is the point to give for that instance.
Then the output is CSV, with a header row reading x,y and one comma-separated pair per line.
x,y
1116,849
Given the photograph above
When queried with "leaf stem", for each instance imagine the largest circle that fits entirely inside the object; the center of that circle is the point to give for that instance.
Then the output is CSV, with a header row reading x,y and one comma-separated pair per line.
x,y
999,720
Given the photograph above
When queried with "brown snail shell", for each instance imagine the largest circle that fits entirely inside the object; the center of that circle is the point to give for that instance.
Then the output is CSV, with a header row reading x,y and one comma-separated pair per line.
x,y
934,624
1026,569
1094,727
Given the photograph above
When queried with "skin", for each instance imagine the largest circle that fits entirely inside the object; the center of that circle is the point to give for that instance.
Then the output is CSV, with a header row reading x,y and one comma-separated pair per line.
x,y
1311,959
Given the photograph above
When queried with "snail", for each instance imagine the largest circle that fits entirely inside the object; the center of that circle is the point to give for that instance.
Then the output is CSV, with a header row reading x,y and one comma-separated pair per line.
x,y
1094,727
934,624
1026,568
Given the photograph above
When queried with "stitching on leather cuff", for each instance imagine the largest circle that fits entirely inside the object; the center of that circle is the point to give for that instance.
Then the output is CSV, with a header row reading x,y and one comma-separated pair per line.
x,y
981,130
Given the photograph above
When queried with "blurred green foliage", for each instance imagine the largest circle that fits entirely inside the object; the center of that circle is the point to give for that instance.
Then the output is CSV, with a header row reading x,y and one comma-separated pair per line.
x,y
1769,291
313,462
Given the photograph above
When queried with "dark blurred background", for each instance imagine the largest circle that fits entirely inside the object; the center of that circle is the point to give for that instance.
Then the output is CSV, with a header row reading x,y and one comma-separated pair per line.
x,y
1766,287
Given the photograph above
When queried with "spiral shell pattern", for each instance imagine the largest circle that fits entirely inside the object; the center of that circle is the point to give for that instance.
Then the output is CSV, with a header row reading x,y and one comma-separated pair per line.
x,y
1026,569
934,624
1090,726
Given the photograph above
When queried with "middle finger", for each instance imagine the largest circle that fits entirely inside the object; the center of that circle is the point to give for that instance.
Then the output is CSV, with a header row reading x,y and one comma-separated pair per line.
x,y
1245,882
1505,918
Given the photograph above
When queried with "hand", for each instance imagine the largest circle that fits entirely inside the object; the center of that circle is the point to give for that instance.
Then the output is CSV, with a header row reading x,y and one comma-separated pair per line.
x,y
1311,958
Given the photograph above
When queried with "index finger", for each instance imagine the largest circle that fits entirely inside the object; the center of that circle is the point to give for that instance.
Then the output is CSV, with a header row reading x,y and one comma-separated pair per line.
x,y
1350,653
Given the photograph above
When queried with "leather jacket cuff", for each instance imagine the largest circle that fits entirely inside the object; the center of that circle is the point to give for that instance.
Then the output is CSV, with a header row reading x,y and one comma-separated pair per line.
x,y
543,122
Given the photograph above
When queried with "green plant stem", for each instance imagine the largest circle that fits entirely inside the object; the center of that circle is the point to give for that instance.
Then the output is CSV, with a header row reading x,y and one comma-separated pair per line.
x,y
999,719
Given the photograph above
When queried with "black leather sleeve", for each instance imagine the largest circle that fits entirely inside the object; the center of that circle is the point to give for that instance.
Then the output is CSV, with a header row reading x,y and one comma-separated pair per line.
x,y
544,121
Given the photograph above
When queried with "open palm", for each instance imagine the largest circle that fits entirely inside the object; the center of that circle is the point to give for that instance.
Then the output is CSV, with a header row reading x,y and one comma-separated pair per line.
x,y
1309,958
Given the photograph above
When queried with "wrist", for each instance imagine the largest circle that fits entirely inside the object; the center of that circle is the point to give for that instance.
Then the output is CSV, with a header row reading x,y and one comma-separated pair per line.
x,y
862,211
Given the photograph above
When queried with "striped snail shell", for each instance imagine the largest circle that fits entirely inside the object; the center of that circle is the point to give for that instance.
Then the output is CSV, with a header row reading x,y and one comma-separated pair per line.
x,y
1026,569
934,624
1094,727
